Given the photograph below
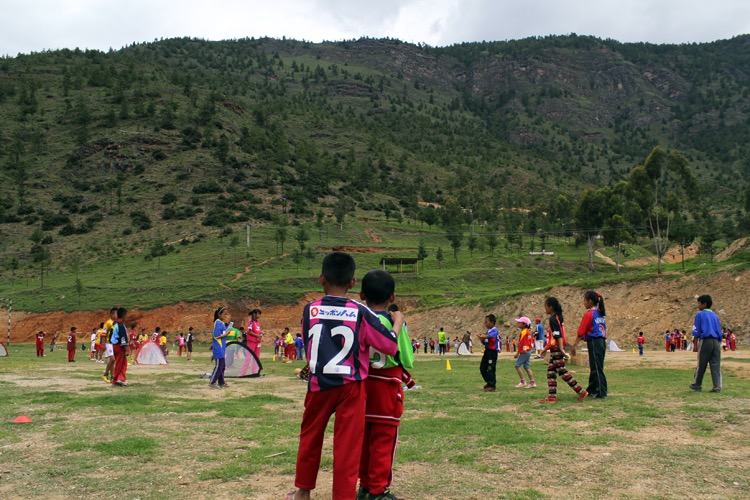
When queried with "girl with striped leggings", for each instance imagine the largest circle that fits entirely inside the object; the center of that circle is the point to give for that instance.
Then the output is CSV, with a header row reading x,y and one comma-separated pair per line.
x,y
556,347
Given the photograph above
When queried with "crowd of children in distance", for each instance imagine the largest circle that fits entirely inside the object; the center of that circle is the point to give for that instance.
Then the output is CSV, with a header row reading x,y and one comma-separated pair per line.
x,y
358,356
112,345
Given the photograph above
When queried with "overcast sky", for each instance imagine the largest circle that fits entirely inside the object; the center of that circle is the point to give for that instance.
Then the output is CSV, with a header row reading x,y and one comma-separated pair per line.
x,y
35,25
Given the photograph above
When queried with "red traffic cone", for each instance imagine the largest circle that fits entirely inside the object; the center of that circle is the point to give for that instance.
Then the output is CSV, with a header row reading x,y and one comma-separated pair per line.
x,y
23,419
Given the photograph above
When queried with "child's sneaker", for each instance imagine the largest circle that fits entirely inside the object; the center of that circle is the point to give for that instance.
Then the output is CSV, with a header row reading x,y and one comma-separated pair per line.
x,y
531,385
521,384
362,494
386,495
548,399
213,386
104,377
582,396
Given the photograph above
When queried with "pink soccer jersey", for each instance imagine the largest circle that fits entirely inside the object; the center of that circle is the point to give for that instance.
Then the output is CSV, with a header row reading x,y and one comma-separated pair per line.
x,y
338,334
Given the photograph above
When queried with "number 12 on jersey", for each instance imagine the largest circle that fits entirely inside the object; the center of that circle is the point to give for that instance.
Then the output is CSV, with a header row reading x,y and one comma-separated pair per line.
x,y
332,366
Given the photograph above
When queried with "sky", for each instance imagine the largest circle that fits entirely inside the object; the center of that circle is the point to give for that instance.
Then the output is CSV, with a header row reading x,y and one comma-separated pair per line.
x,y
36,25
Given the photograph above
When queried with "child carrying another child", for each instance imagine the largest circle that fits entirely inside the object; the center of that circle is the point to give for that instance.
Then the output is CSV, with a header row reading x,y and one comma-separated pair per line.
x,y
556,347
338,333
385,396
523,356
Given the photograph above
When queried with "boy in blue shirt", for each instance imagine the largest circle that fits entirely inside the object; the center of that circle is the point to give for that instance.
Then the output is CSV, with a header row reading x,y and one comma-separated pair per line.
x,y
708,329
491,343
299,344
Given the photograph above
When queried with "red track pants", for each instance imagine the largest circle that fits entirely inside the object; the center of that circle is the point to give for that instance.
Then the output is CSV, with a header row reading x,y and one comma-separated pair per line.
x,y
348,403
384,407
121,364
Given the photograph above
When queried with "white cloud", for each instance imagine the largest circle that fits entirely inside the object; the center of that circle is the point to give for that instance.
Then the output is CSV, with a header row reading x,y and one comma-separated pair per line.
x,y
33,25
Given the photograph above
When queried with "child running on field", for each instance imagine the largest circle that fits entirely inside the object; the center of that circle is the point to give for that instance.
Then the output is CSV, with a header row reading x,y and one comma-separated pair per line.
x,y
556,347
385,396
338,333
523,356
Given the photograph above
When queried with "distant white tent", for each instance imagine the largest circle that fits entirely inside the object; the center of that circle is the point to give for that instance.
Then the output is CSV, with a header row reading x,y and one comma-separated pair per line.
x,y
463,349
612,346
150,354
3,350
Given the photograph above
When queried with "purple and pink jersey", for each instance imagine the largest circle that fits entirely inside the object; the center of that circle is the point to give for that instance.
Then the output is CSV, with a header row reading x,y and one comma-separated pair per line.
x,y
338,334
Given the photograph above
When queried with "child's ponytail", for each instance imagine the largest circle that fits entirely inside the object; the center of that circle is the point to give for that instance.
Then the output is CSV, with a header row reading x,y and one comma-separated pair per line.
x,y
556,307
597,300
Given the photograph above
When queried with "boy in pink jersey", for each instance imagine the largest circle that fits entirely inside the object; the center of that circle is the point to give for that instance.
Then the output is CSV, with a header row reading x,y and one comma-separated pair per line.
x,y
338,334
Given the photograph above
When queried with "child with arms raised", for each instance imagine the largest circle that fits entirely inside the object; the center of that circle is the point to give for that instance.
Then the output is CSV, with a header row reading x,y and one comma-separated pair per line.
x,y
338,333
385,396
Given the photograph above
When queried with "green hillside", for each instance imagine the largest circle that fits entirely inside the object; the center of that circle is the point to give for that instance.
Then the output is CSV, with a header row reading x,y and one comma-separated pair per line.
x,y
131,175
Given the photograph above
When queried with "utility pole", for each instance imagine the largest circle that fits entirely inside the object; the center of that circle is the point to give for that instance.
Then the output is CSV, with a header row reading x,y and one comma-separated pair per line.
x,y
247,248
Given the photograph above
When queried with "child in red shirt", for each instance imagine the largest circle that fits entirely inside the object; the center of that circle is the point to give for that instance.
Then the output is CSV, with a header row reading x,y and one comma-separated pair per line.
x,y
641,340
523,356
40,344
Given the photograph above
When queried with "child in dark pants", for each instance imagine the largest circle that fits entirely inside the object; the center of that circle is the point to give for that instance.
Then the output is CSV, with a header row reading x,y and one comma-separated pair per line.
x,y
641,340
593,330
491,341
219,346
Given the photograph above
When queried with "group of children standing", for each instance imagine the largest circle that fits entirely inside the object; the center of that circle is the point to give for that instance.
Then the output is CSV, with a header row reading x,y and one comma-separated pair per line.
x,y
592,330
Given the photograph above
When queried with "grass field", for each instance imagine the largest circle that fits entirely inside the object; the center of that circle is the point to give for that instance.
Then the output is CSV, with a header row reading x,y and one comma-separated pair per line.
x,y
169,436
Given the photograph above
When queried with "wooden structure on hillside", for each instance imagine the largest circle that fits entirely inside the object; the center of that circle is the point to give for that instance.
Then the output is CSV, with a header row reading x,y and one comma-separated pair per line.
x,y
399,263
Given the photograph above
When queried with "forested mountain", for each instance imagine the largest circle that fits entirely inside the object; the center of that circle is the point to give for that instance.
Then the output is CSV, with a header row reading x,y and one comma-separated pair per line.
x,y
221,133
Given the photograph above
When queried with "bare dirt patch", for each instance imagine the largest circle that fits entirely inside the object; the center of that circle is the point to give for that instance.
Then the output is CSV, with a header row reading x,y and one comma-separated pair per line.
x,y
672,256
651,306
373,235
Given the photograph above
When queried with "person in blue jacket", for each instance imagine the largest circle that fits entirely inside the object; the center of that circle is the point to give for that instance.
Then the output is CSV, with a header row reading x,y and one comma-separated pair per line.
x,y
708,329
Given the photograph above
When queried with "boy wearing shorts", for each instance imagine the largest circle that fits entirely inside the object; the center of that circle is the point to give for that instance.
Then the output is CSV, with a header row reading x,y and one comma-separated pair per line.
x,y
523,356
338,333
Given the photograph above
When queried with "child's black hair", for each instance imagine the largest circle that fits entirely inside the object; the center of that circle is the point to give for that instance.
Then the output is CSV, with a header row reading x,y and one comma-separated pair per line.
x,y
217,313
121,312
254,312
707,300
597,299
338,268
378,286
113,310
392,308
157,329
492,318
556,306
